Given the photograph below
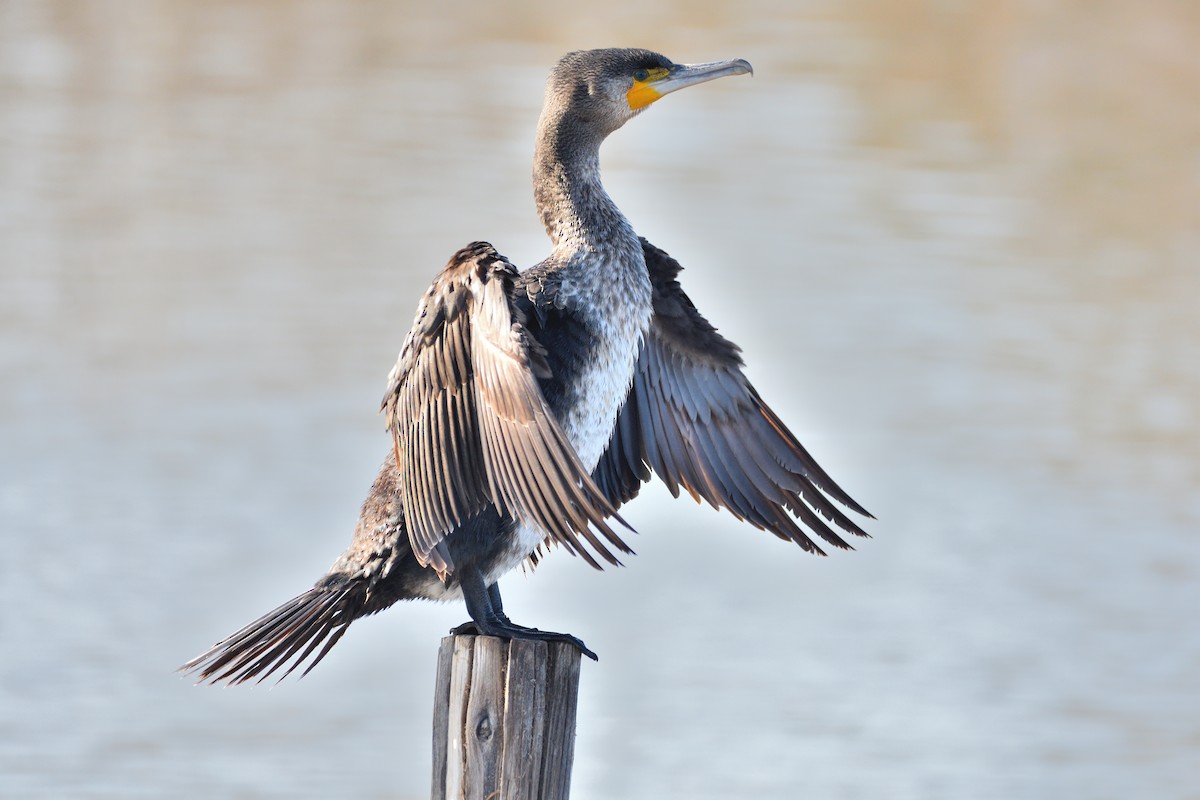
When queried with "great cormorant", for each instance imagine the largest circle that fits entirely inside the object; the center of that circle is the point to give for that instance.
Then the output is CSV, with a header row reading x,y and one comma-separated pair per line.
x,y
526,407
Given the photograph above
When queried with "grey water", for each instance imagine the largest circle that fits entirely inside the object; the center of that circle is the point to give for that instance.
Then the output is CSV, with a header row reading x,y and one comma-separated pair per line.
x,y
959,244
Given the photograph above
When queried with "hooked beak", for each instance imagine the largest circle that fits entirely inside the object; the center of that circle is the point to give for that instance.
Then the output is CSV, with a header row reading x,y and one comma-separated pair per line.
x,y
681,76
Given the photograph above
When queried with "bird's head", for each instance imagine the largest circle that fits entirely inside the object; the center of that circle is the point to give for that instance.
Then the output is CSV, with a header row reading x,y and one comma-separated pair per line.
x,y
602,89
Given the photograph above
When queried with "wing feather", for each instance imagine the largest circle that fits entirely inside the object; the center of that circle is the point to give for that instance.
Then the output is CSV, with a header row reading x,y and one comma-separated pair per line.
x,y
693,419
471,427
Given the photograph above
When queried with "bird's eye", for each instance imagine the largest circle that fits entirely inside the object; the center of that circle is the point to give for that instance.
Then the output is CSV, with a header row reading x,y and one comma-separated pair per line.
x,y
641,75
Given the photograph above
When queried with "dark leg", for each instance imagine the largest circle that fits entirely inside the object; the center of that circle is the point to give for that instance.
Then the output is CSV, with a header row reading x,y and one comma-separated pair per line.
x,y
498,607
495,605
488,618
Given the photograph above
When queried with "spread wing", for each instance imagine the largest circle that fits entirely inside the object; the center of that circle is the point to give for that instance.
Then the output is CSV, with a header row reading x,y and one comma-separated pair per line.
x,y
694,420
470,425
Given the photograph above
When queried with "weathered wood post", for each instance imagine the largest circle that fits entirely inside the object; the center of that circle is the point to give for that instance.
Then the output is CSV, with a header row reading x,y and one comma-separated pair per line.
x,y
504,719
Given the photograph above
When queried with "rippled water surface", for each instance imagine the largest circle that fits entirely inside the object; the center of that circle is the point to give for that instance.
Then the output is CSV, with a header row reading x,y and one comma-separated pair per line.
x,y
959,243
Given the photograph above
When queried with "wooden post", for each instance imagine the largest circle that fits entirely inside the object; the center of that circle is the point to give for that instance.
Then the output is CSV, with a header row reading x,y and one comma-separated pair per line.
x,y
504,719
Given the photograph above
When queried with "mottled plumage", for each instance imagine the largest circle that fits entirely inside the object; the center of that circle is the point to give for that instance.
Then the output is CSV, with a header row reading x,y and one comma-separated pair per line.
x,y
471,427
526,408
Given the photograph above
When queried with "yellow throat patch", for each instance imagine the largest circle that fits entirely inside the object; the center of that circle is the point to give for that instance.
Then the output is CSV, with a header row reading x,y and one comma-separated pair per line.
x,y
643,93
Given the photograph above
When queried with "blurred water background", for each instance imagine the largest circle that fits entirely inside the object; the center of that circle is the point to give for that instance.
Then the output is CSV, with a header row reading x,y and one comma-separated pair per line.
x,y
959,243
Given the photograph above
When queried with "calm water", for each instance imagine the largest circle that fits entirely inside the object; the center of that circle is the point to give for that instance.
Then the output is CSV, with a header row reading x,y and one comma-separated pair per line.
x,y
960,244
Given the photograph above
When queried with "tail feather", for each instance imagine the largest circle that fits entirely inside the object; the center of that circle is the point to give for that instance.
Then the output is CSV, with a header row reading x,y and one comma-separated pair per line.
x,y
301,625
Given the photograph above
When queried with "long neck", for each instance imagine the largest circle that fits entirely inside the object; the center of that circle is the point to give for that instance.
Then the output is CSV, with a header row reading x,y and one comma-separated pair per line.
x,y
576,211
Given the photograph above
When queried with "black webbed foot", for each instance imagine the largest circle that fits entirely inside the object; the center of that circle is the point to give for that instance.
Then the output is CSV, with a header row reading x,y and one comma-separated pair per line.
x,y
488,617
468,628
505,629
